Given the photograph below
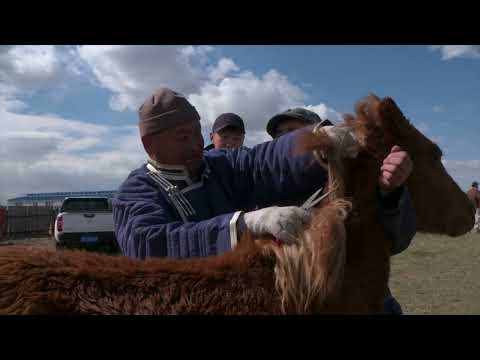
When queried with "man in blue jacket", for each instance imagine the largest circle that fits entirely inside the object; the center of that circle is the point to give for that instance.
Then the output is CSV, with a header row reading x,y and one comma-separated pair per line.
x,y
185,202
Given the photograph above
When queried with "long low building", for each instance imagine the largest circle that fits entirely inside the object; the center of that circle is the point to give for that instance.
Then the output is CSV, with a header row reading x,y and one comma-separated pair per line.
x,y
54,199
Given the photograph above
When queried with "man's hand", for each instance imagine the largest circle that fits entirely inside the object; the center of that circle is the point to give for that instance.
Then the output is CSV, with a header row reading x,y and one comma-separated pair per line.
x,y
395,170
285,223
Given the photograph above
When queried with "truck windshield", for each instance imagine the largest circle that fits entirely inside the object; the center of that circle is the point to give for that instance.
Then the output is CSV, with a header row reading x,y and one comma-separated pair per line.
x,y
85,205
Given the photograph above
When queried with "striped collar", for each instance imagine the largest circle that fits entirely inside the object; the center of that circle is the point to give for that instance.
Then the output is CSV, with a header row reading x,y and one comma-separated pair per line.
x,y
171,172
178,174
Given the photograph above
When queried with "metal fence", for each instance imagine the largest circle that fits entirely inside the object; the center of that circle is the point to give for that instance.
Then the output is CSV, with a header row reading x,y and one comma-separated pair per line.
x,y
3,221
30,220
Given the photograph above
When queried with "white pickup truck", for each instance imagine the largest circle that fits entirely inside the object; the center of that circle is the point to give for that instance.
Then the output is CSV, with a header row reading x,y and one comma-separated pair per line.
x,y
85,222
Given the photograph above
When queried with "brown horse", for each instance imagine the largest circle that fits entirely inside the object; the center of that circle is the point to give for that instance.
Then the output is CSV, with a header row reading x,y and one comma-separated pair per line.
x,y
441,206
340,266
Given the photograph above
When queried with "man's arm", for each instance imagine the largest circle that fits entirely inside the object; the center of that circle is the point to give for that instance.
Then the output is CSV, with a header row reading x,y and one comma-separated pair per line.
x,y
397,215
147,228
146,225
271,173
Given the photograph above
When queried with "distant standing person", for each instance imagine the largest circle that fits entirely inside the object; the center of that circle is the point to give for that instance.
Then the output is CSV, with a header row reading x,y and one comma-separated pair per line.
x,y
293,119
228,131
474,196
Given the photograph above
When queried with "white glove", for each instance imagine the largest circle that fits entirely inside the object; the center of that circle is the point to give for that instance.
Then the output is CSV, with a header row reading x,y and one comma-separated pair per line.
x,y
284,223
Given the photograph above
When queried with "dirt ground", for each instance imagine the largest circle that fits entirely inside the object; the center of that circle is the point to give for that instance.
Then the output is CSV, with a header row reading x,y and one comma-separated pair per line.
x,y
41,240
48,241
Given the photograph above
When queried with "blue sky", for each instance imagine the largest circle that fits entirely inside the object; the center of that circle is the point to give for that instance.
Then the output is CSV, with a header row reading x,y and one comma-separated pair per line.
x,y
443,95
76,105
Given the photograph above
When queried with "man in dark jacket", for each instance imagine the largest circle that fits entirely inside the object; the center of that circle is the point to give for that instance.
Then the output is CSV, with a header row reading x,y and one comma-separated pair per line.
x,y
228,132
293,119
185,202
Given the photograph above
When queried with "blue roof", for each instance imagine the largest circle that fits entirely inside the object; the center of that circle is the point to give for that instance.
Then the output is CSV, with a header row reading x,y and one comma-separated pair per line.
x,y
62,195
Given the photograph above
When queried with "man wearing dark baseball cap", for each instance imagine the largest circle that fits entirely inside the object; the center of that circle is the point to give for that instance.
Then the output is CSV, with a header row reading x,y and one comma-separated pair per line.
x,y
293,119
228,131
184,202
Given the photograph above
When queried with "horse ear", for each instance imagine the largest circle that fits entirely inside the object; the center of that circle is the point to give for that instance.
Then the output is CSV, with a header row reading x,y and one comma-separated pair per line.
x,y
390,110
367,111
395,120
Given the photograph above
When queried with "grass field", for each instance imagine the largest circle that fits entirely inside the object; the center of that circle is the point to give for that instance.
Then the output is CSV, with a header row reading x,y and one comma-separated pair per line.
x,y
438,275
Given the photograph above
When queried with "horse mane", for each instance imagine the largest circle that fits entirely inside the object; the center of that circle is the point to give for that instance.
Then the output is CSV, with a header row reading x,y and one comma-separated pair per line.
x,y
309,275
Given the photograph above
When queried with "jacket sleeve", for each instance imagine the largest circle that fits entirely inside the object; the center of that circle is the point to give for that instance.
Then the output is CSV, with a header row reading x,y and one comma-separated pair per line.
x,y
272,173
147,226
397,215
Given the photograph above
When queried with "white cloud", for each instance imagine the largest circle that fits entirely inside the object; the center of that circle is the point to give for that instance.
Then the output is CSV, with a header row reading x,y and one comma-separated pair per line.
x,y
27,146
200,51
25,69
72,144
255,99
134,72
213,87
48,153
224,67
11,104
437,108
326,113
38,61
12,124
453,51
464,172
